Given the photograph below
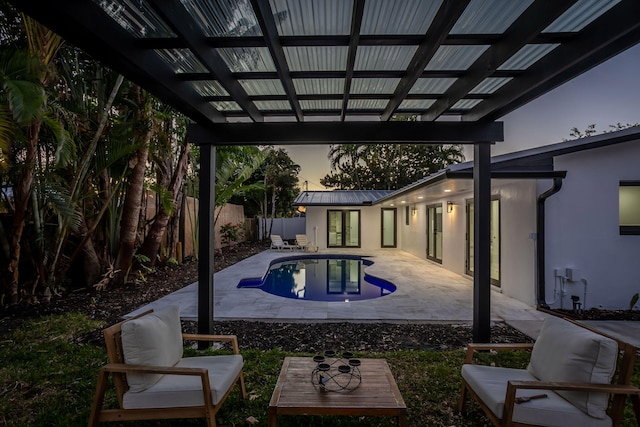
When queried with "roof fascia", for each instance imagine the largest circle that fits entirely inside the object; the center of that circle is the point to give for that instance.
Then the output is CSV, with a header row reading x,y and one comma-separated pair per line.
x,y
559,149
449,175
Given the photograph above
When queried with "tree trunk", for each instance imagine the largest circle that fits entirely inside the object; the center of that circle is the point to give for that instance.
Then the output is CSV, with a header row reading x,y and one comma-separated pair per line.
x,y
151,245
21,194
132,202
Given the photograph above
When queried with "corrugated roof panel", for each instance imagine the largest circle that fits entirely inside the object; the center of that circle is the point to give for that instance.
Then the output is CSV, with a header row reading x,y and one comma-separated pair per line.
x,y
340,197
316,58
138,18
367,104
398,16
224,17
321,104
262,87
181,60
416,104
489,16
226,105
318,86
378,86
383,57
272,105
245,59
491,84
209,88
429,85
580,15
455,57
312,17
527,56
466,104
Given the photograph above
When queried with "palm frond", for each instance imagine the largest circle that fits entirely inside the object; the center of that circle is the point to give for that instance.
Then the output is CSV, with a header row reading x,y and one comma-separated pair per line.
x,y
25,99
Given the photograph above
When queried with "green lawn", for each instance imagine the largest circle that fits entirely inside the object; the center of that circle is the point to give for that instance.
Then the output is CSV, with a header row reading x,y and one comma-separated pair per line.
x,y
47,378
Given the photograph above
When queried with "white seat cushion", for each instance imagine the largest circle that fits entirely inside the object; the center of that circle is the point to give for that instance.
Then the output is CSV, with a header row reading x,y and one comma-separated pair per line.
x,y
186,390
565,352
490,384
154,339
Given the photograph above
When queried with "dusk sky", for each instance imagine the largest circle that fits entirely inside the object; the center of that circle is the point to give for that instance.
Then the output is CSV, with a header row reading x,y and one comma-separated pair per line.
x,y
605,95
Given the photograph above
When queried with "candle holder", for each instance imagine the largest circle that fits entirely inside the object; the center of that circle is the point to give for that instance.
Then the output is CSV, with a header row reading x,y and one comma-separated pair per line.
x,y
336,373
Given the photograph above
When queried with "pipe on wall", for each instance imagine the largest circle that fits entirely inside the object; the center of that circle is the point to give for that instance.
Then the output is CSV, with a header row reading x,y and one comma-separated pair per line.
x,y
540,237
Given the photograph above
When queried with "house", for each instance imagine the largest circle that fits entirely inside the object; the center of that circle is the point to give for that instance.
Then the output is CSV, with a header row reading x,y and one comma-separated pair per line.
x,y
565,221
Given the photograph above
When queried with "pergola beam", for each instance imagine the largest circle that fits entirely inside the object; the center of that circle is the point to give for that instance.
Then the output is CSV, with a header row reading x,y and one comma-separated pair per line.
x,y
444,20
616,31
354,40
175,14
523,30
345,133
113,46
270,32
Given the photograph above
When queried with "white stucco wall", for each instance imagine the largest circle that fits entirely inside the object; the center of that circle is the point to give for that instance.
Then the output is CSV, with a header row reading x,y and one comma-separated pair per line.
x,y
582,223
517,264
517,205
370,224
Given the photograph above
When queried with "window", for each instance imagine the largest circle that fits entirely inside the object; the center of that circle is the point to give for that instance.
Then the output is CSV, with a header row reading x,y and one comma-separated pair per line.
x,y
434,233
343,228
389,227
629,199
407,221
495,240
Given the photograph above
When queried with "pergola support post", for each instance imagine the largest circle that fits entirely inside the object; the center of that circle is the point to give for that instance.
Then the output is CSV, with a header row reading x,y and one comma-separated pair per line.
x,y
482,242
206,239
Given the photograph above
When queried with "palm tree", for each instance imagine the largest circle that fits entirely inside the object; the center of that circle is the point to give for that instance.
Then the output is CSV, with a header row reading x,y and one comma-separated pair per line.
x,y
22,115
129,222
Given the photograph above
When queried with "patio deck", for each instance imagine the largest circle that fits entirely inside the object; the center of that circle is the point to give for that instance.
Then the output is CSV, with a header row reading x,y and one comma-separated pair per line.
x,y
426,293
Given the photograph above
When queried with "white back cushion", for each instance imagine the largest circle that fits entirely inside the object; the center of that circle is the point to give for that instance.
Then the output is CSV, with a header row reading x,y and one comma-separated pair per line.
x,y
565,352
153,340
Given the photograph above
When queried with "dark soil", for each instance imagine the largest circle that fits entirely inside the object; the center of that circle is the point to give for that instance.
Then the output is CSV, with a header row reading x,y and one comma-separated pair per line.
x,y
110,304
598,314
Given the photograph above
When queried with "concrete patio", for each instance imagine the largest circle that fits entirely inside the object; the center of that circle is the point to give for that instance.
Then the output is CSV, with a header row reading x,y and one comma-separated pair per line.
x,y
426,293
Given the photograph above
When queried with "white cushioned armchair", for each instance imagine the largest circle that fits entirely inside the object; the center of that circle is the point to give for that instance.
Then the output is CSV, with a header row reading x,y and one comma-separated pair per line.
x,y
154,381
576,370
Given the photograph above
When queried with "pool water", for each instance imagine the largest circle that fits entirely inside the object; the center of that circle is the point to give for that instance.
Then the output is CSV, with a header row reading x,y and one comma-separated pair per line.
x,y
321,279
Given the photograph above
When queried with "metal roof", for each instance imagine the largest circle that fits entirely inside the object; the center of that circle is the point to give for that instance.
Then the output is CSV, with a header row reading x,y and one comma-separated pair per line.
x,y
340,197
283,60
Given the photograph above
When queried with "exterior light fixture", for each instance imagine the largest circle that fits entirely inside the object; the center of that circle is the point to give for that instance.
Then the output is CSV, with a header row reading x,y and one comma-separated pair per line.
x,y
414,210
449,207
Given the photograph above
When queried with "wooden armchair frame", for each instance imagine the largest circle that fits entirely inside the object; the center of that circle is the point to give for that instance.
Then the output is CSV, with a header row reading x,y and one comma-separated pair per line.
x,y
118,370
619,389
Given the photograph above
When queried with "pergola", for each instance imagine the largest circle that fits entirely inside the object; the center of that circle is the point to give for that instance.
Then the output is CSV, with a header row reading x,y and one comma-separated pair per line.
x,y
336,71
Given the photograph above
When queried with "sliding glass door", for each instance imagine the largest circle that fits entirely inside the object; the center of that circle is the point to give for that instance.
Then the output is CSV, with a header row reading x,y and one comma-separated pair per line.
x,y
389,228
495,240
434,233
343,228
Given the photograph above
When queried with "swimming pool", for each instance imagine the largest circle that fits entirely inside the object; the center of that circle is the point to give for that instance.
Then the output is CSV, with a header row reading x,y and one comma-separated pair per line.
x,y
321,278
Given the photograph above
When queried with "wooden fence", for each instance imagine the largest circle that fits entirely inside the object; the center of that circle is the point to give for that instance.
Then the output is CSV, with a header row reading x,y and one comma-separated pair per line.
x,y
187,225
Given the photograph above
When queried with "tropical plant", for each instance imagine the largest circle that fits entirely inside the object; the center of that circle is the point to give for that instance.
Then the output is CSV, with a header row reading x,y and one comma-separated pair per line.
x,y
231,233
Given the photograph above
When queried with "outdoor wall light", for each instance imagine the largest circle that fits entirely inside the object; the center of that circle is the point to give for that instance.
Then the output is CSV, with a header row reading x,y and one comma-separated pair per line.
x,y
414,210
449,207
